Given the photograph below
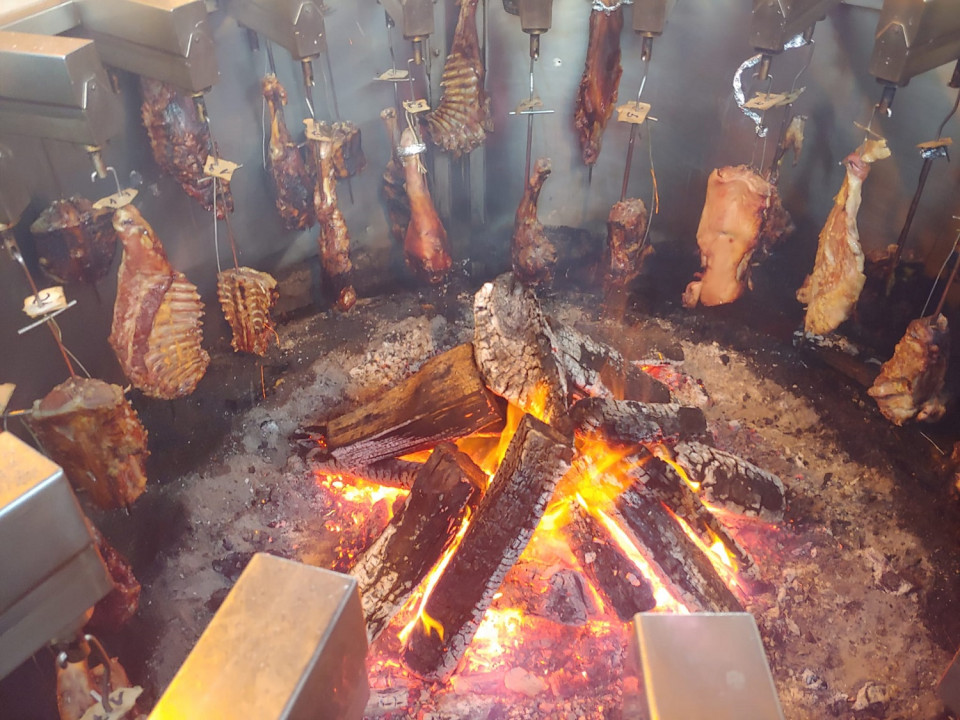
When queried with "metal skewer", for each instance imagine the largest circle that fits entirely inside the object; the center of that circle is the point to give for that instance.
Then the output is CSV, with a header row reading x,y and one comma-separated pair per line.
x,y
633,134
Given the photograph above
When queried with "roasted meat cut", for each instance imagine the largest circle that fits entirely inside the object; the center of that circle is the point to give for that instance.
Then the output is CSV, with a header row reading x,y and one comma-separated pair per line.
x,y
461,121
78,684
157,319
90,429
74,241
347,151
180,140
115,609
334,238
910,384
291,181
425,245
247,296
532,252
625,252
394,192
742,214
832,289
597,95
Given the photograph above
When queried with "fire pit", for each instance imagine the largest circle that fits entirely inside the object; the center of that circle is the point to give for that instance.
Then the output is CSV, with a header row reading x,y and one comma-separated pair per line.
x,y
856,567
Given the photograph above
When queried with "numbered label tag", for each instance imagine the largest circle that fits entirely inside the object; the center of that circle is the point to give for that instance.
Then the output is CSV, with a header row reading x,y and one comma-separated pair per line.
x,y
219,168
393,75
528,106
45,302
934,144
6,392
416,106
768,101
634,113
122,701
117,200
315,131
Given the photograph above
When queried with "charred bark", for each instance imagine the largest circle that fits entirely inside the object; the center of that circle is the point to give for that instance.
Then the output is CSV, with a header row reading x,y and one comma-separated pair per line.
x,y
613,574
681,565
391,472
446,399
537,457
732,483
626,422
415,540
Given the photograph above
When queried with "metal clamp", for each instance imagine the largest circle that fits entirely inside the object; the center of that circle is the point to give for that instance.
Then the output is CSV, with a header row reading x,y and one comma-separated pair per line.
x,y
410,150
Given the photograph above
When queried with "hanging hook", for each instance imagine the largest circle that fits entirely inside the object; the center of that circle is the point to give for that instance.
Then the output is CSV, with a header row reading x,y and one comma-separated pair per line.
x,y
94,176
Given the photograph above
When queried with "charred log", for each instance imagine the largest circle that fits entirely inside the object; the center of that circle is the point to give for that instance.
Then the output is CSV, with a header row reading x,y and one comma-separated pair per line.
x,y
445,400
681,565
626,422
731,483
537,457
391,472
613,574
415,540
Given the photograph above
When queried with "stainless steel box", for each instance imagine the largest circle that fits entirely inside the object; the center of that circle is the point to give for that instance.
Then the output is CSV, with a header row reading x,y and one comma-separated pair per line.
x,y
51,571
702,665
289,642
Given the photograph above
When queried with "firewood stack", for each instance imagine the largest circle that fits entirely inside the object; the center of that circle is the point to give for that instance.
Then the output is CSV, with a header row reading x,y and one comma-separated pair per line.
x,y
658,480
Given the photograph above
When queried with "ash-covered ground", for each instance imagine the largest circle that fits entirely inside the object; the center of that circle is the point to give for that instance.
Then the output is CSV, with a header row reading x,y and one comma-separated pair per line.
x,y
858,608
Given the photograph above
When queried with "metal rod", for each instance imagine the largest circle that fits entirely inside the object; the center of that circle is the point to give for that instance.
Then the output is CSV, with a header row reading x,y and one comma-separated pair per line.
x,y
270,59
526,171
905,230
946,289
626,169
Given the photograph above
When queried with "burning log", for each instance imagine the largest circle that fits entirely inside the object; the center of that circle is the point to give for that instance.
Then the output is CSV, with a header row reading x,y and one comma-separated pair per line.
x,y
626,422
524,357
669,488
615,575
415,540
732,483
445,400
392,472
681,565
536,458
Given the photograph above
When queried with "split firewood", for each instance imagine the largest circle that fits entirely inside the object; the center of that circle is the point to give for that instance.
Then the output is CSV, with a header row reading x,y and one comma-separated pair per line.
x,y
731,483
446,400
626,422
536,459
528,359
415,540
667,487
681,565
391,472
615,576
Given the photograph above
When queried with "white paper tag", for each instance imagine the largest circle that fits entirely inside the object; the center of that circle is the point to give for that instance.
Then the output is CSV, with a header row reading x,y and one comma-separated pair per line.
x,y
45,302
393,75
6,392
122,701
767,101
934,144
219,168
634,113
117,200
416,106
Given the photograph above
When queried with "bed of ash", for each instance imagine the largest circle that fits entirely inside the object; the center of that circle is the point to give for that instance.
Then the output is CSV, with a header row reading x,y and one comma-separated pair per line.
x,y
859,608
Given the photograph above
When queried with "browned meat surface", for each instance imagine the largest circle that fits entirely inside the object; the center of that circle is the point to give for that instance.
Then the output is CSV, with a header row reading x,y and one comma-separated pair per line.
x,y
742,214
247,296
625,251
597,95
157,328
114,610
394,193
910,384
291,181
76,681
532,253
181,143
90,429
347,152
334,238
834,286
74,241
425,245
461,121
